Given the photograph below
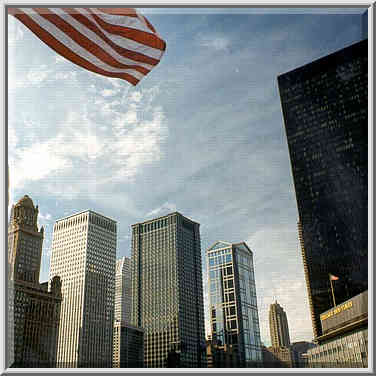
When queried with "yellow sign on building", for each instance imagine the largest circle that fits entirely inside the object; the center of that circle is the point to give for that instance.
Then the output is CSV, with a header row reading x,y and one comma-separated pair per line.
x,y
336,310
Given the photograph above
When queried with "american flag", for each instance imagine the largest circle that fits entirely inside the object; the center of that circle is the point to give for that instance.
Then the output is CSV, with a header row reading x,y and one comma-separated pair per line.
x,y
333,277
113,42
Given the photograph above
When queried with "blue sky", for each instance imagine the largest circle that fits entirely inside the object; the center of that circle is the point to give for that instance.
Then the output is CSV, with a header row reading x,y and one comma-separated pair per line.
x,y
202,134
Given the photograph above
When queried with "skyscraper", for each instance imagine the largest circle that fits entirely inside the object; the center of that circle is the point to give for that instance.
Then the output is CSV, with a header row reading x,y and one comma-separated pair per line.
x,y
167,298
279,327
123,290
84,255
34,311
325,106
233,310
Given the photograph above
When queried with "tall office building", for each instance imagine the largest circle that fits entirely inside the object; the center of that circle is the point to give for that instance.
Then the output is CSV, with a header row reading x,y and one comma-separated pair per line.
x,y
325,108
233,310
84,256
123,290
167,291
279,327
34,311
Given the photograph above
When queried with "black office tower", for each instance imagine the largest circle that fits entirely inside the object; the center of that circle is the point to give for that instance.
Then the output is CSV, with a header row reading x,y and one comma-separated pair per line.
x,y
324,106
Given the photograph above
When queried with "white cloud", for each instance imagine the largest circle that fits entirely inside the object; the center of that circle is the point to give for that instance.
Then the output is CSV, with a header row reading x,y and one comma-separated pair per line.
x,y
167,207
37,76
216,42
108,92
136,96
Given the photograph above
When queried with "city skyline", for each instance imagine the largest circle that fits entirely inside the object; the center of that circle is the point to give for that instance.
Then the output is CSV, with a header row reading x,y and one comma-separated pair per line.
x,y
221,153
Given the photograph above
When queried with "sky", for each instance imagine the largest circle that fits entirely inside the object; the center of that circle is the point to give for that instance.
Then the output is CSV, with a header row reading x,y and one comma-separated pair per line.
x,y
202,134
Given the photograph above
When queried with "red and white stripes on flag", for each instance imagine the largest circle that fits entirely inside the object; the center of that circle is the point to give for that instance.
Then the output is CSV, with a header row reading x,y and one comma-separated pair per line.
x,y
114,42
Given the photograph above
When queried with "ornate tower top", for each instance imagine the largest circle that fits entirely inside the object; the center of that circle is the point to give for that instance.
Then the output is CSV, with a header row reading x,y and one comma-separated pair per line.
x,y
25,214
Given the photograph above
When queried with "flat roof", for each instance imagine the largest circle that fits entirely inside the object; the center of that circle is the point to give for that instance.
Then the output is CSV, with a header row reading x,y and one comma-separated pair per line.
x,y
82,212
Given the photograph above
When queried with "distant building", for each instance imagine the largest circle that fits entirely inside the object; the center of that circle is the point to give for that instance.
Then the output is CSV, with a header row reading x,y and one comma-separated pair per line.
x,y
344,342
84,255
123,290
279,327
233,310
277,357
34,311
167,297
325,110
128,346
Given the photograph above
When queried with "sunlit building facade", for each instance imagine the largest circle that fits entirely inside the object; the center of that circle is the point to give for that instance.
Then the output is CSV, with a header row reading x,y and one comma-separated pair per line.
x,y
325,110
233,310
278,325
84,255
123,290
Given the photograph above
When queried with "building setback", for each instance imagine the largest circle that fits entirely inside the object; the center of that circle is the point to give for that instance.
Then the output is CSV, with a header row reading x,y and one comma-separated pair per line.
x,y
34,311
123,290
84,255
233,310
325,105
167,298
278,325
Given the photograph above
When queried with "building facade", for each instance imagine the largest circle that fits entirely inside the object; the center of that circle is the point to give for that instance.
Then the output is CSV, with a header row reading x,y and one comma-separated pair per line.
x,y
277,357
84,256
34,310
123,290
128,346
325,110
233,310
278,325
344,342
167,297
300,350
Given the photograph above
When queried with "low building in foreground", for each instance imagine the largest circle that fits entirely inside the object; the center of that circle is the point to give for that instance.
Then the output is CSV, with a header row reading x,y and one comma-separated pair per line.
x,y
277,357
222,356
344,342
128,350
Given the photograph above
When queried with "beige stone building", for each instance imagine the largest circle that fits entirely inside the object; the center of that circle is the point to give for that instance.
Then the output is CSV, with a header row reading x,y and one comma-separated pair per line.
x,y
34,310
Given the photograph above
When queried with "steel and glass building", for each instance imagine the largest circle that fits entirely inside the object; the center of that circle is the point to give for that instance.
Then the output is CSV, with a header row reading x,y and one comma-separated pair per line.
x,y
123,290
278,325
84,256
325,110
167,296
233,310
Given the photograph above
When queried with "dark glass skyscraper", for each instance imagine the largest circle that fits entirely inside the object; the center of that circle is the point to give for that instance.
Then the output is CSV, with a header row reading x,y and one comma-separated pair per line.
x,y
167,297
324,107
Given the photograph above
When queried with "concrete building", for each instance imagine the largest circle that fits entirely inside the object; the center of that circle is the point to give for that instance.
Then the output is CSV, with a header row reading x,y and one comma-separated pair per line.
x,y
34,311
325,110
233,310
84,256
278,325
344,342
128,346
167,297
123,290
